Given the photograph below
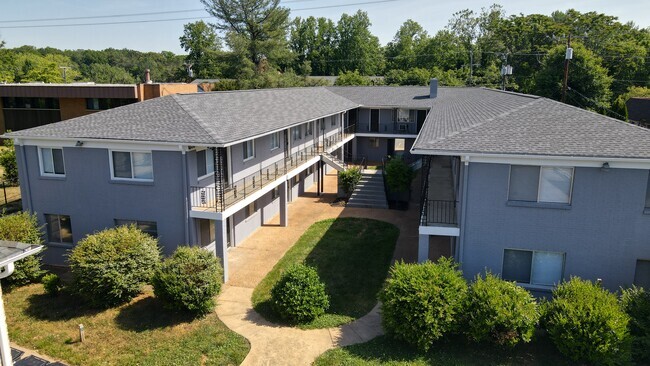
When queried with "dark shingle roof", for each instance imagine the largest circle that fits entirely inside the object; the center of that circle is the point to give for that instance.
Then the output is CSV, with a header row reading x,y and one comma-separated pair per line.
x,y
207,118
493,122
387,96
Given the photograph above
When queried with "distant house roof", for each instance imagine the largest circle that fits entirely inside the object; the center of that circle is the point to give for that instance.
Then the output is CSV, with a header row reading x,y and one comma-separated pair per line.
x,y
216,118
486,121
387,96
638,110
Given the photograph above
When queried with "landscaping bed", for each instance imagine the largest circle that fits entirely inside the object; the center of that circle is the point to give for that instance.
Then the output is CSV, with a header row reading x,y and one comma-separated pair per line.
x,y
352,257
140,332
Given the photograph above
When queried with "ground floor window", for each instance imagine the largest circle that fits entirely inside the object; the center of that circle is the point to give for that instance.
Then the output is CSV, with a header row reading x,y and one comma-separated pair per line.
x,y
59,229
373,142
642,273
250,209
533,267
149,227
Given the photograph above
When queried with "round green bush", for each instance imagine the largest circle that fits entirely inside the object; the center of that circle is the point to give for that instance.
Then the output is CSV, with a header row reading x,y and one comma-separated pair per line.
x,y
188,280
587,323
421,303
299,296
110,267
22,227
52,284
499,312
636,302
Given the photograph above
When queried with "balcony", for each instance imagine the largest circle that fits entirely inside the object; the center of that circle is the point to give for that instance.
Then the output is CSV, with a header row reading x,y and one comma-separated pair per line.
x,y
438,204
393,128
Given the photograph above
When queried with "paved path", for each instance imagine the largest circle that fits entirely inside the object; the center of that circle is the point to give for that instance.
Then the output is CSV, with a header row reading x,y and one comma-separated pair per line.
x,y
249,262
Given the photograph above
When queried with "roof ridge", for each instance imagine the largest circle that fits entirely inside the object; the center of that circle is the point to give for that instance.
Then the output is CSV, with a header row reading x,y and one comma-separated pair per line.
x,y
254,90
532,96
193,115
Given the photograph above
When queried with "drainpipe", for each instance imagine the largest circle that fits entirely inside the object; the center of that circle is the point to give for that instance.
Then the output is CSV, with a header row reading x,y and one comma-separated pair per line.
x,y
463,213
186,195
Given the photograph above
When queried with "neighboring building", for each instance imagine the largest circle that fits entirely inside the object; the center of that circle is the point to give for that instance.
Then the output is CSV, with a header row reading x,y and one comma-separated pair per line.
x,y
30,105
523,186
638,111
534,190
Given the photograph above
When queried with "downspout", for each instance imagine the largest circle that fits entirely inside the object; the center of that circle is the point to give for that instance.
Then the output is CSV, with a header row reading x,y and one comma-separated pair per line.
x,y
186,195
463,213
28,190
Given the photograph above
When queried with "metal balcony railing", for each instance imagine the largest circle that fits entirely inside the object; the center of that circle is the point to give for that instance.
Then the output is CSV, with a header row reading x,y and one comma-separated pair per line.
x,y
439,212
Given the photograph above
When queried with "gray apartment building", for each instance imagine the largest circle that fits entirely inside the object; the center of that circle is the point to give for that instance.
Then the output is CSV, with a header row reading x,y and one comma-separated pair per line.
x,y
526,187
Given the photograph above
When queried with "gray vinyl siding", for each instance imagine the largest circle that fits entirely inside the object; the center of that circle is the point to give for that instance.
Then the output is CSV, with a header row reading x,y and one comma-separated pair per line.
x,y
372,154
603,232
263,156
93,201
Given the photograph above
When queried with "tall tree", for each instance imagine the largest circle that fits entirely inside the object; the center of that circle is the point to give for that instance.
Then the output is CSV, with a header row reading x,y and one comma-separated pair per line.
x,y
107,74
402,52
258,27
357,48
203,45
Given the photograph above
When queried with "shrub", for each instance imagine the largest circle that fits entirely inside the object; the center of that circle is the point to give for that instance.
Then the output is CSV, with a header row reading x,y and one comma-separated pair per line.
x,y
8,162
22,227
349,78
500,312
111,266
349,178
299,296
188,280
423,302
587,323
636,302
52,284
398,175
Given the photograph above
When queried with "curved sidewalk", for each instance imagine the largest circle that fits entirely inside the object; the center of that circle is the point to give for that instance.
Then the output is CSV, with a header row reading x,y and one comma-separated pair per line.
x,y
250,261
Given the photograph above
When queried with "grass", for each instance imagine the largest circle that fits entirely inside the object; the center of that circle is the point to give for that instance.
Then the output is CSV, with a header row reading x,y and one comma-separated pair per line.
x,y
456,351
138,333
352,257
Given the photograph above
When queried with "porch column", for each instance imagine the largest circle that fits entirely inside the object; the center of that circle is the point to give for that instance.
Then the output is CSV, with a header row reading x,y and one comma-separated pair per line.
x,y
423,248
221,245
284,207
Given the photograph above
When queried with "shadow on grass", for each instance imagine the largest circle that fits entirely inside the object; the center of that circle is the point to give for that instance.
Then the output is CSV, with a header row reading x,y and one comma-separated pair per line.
x,y
148,313
54,308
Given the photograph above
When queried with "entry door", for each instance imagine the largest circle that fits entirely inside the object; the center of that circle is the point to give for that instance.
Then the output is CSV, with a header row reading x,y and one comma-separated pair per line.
x,y
422,115
390,148
374,120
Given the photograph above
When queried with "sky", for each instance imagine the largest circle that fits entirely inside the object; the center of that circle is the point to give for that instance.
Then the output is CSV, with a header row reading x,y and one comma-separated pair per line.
x,y
386,18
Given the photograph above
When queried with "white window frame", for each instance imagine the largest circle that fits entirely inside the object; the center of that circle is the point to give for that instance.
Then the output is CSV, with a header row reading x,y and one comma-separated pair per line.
x,y
209,168
402,111
275,141
132,179
245,150
42,166
539,184
532,265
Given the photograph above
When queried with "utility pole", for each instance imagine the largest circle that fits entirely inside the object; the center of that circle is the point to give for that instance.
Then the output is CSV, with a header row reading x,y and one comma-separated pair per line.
x,y
567,57
505,71
64,68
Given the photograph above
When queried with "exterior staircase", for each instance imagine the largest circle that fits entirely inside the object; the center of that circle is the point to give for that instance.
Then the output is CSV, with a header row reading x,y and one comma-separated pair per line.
x,y
334,162
369,192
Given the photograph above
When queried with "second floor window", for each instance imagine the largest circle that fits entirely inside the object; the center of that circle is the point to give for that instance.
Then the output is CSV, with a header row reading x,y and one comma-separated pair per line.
x,y
249,150
296,133
52,161
647,194
205,162
59,229
275,140
540,184
132,165
309,130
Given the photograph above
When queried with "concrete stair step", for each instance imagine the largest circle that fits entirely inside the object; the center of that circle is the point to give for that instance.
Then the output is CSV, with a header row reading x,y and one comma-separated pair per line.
x,y
368,195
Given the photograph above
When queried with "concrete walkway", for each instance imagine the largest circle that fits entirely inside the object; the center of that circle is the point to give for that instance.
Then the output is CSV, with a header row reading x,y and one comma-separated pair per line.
x,y
249,262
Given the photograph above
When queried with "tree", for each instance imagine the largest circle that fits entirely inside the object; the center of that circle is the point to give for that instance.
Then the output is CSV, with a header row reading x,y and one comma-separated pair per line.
x,y
588,80
8,162
203,45
258,27
312,41
107,74
352,78
357,48
401,53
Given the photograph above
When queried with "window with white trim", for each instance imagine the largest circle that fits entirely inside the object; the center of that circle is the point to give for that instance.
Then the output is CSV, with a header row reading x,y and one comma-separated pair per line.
x,y
296,133
59,229
51,160
403,115
540,184
309,130
533,267
132,165
275,140
249,149
149,227
205,162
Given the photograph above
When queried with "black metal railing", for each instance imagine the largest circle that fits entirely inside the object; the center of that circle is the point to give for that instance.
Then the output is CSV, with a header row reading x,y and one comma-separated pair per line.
x,y
439,212
407,128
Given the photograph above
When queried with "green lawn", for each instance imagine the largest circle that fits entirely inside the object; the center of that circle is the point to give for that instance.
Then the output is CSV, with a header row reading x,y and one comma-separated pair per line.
x,y
352,257
138,333
386,351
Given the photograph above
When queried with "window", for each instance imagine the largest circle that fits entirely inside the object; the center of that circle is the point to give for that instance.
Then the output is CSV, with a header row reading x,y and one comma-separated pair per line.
x,y
205,162
322,124
51,160
30,103
59,229
249,149
333,121
533,267
275,193
296,179
132,165
647,194
149,227
249,210
540,184
97,104
296,133
275,140
309,129
403,115
642,273
374,142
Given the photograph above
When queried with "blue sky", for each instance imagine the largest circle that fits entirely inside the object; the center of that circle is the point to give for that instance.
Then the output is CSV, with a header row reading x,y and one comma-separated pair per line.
x,y
386,18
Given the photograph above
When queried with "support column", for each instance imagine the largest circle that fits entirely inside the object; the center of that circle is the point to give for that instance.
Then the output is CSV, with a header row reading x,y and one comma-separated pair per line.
x,y
354,148
423,248
221,245
284,207
322,176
